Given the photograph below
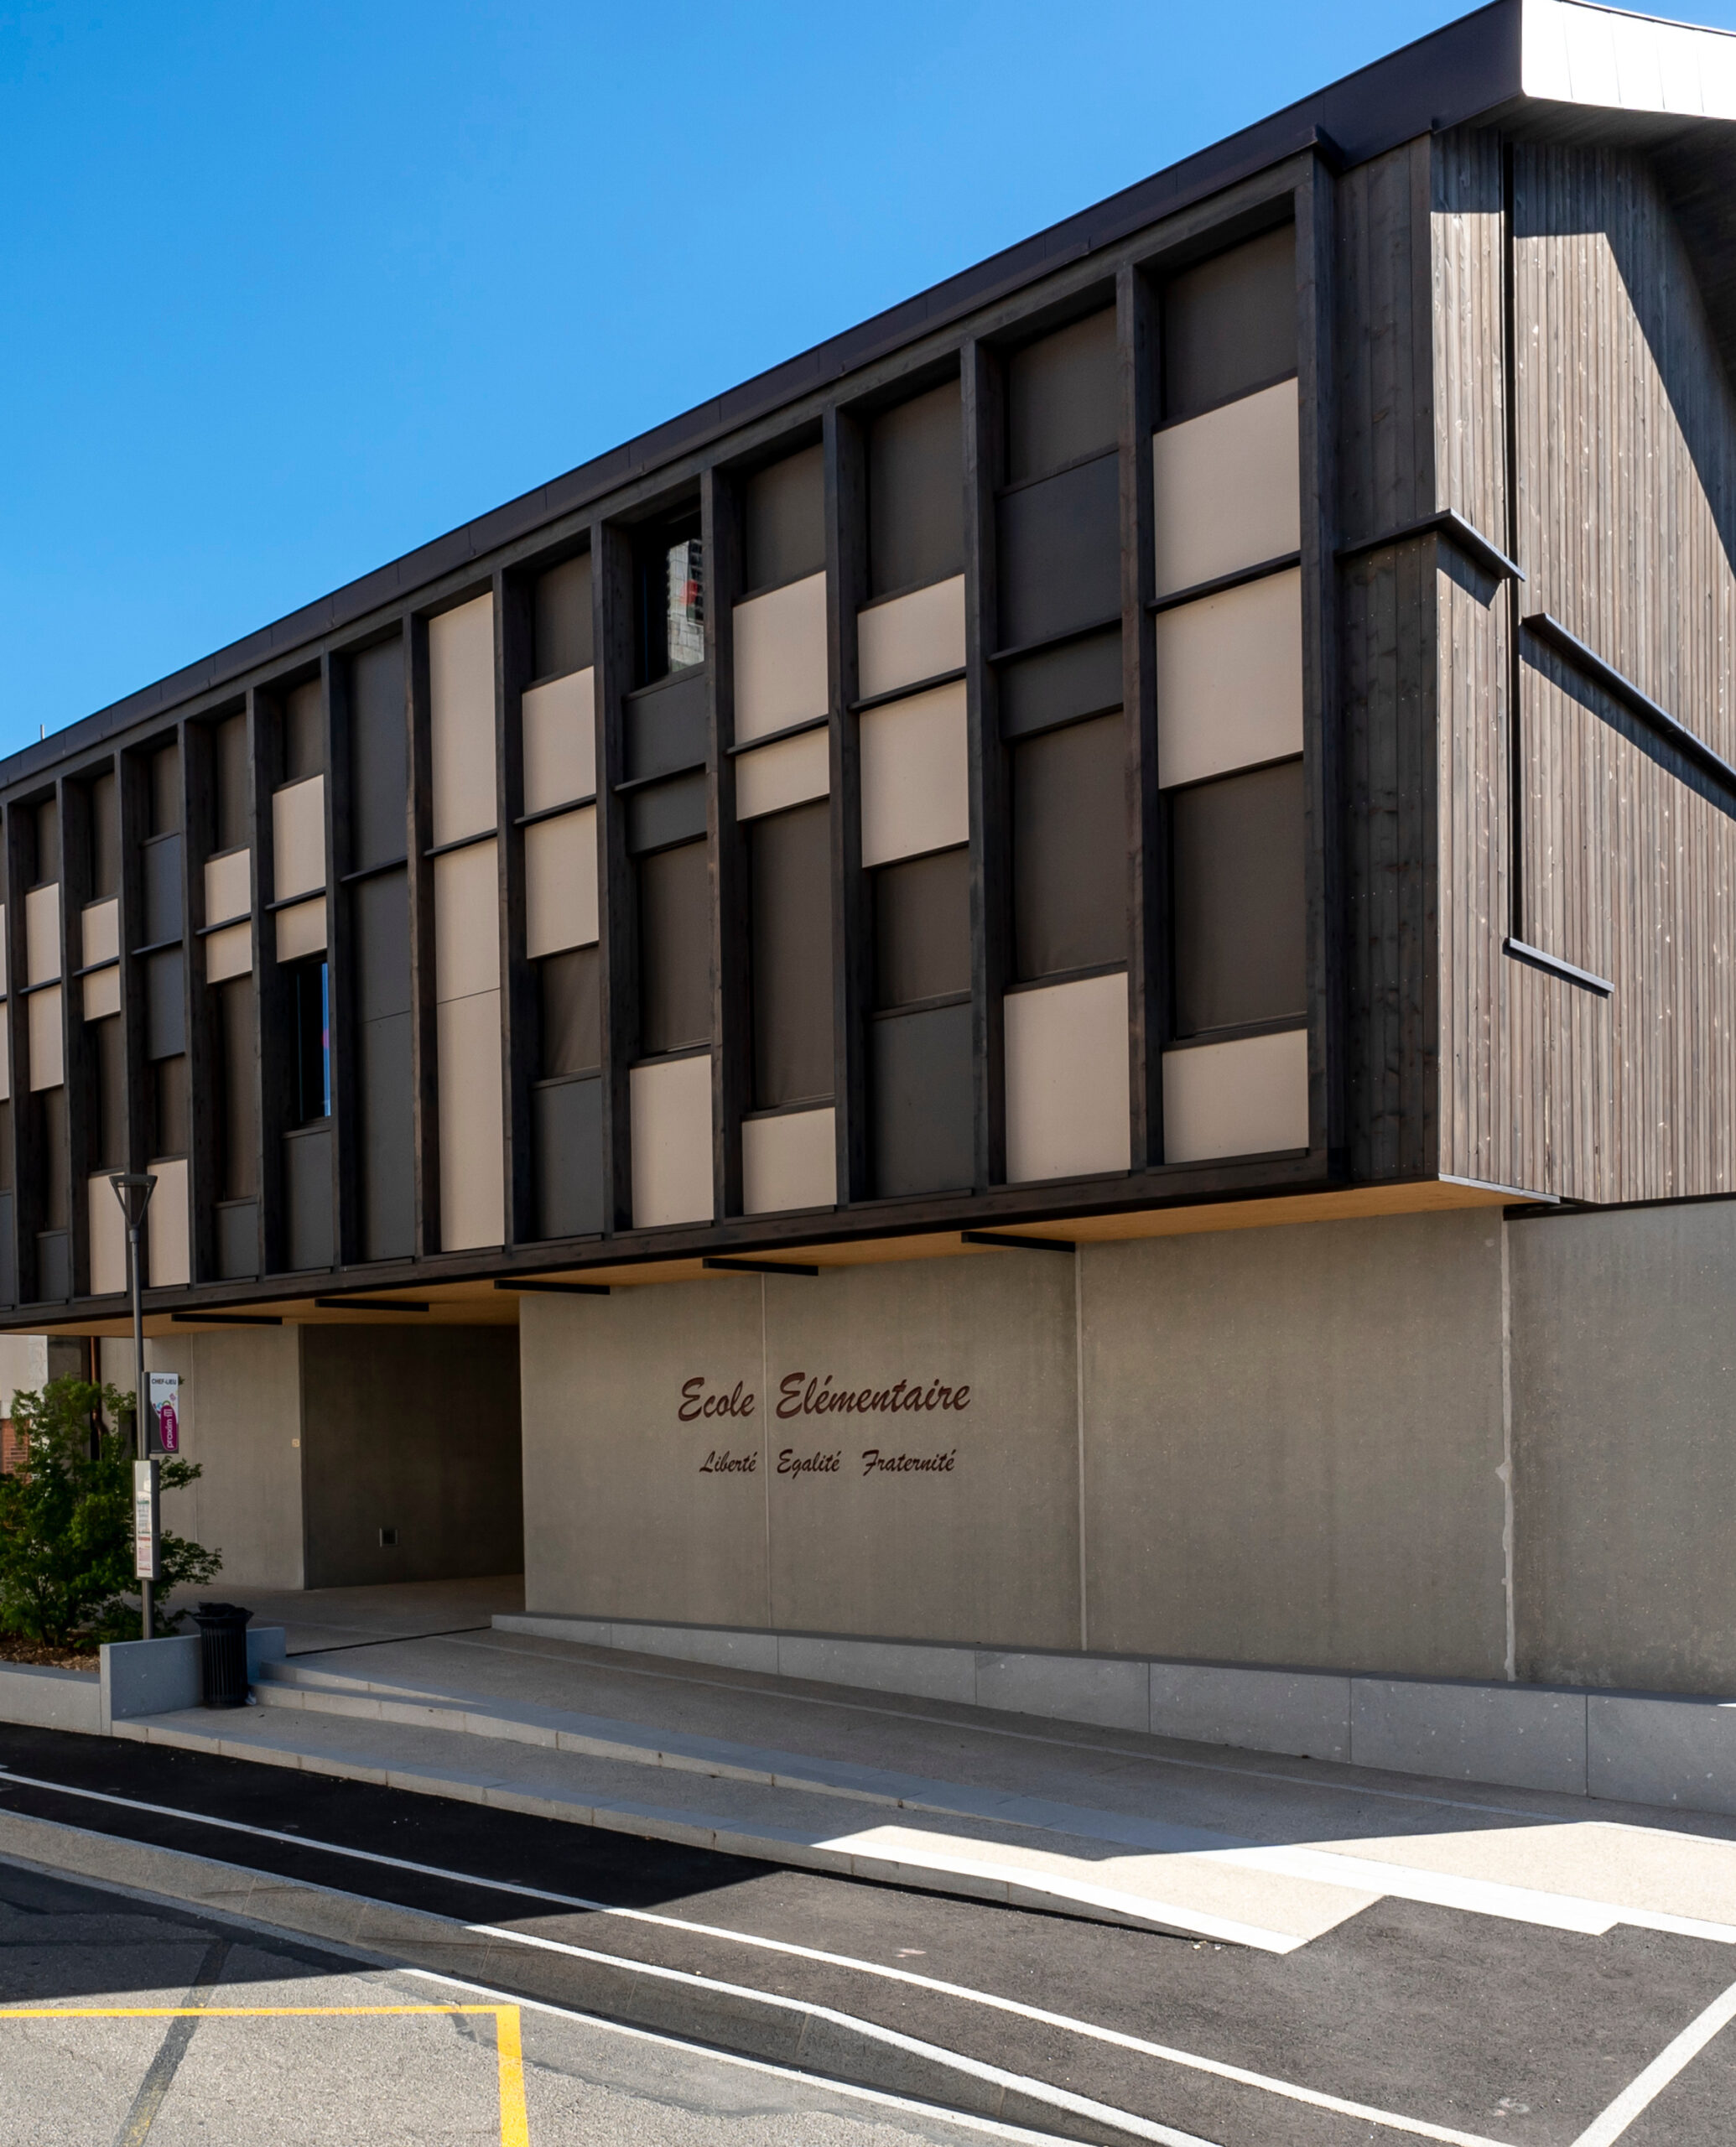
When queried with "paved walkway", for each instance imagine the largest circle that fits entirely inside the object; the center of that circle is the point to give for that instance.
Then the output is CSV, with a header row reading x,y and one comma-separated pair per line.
x,y
1250,1849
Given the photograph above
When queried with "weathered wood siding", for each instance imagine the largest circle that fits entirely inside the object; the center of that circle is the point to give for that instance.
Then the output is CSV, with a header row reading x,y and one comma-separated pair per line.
x,y
1387,664
1623,514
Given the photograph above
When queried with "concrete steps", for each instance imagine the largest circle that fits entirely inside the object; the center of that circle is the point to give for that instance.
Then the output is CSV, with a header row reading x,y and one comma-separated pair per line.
x,y
1107,1854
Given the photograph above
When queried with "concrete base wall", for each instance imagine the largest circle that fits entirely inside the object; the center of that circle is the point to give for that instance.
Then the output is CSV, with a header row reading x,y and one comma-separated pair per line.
x,y
240,1420
1635,1748
1265,1445
1625,1437
1293,1446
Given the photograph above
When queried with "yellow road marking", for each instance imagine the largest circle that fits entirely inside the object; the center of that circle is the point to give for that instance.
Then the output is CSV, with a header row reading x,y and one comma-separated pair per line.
x,y
515,2128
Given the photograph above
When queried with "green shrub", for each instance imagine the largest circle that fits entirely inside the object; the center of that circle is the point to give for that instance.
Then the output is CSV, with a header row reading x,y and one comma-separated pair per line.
x,y
67,1520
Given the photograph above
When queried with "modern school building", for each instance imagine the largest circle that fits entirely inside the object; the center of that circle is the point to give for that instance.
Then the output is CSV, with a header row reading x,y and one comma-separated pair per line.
x,y
1042,1007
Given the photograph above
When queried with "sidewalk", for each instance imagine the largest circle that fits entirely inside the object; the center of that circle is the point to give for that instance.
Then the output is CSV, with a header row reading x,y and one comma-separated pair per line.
x,y
1241,1847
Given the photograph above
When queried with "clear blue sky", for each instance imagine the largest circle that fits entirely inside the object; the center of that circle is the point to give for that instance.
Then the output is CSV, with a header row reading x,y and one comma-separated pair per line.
x,y
290,290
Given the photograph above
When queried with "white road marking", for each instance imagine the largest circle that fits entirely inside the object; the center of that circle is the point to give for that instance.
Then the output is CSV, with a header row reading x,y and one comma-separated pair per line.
x,y
1657,2075
1369,2115
1289,2090
1042,2091
878,2095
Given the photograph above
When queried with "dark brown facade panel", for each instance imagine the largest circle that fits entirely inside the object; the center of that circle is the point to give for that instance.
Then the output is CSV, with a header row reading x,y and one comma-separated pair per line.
x,y
920,1076
783,513
916,532
1060,553
674,949
567,1136
1061,405
1236,864
790,874
561,639
1069,863
1229,324
922,928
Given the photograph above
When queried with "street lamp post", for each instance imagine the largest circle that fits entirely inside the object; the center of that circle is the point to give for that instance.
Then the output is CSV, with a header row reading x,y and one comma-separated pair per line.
x,y
133,1190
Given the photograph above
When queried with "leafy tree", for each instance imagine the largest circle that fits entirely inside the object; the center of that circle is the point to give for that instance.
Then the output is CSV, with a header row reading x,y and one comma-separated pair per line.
x,y
66,1519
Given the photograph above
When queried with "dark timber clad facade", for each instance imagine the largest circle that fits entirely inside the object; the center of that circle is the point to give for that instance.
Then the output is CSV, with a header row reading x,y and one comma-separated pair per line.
x,y
1225,714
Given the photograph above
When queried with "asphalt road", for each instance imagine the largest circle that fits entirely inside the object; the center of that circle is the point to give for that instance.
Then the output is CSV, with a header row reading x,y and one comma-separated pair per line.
x,y
296,2047
1431,2022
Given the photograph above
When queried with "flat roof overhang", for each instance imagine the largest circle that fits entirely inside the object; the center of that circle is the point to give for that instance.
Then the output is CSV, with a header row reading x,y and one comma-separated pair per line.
x,y
491,1298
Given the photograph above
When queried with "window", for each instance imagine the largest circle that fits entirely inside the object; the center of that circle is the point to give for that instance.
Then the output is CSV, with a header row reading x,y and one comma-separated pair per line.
x,y
921,929
790,869
310,1000
674,948
1236,856
672,600
1069,849
569,1011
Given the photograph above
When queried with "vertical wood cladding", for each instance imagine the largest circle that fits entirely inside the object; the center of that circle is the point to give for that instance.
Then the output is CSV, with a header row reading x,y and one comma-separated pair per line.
x,y
1387,623
1609,850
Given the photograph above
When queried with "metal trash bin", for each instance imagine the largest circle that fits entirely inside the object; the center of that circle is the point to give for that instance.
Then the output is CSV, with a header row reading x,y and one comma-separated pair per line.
x,y
223,1653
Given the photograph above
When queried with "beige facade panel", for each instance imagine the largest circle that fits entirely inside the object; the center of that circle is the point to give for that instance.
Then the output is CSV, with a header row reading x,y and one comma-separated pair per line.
x,y
467,922
560,883
167,1257
472,1189
1247,1097
228,886
47,1052
1227,488
1067,1102
907,638
2,949
788,774
460,718
228,953
101,994
780,673
789,1161
302,930
916,794
108,1238
671,1106
42,935
1230,680
99,932
559,727
298,836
